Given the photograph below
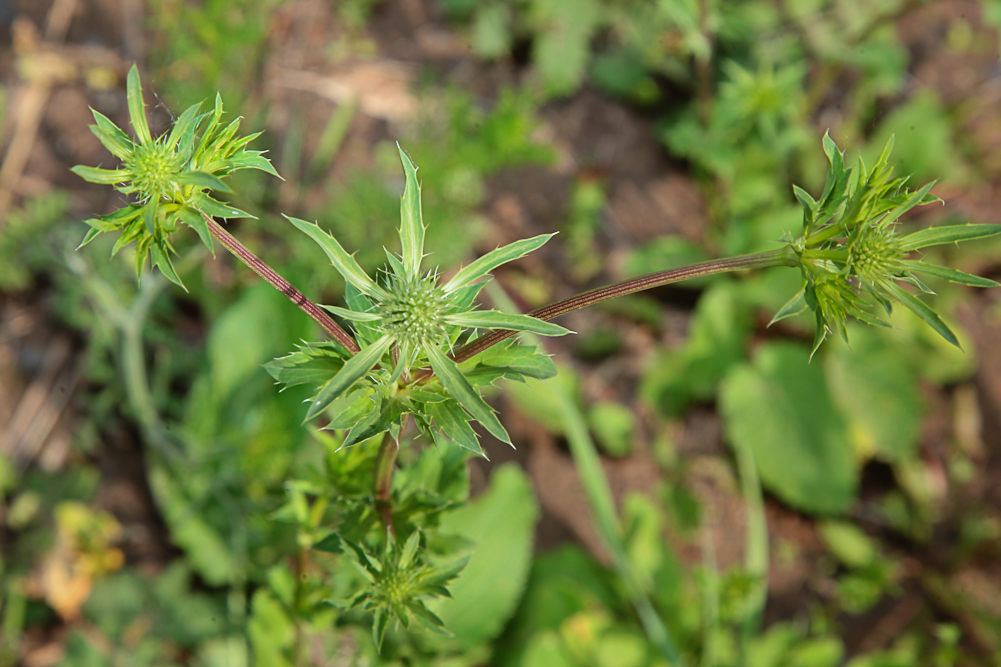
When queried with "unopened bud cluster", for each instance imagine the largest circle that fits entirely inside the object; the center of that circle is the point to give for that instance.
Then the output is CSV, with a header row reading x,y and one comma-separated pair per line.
x,y
415,311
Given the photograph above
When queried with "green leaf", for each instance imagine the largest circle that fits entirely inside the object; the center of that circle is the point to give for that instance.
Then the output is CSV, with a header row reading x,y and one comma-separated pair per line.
x,y
493,259
251,160
848,543
359,303
454,423
354,369
794,306
313,364
217,209
951,234
922,310
102,176
379,624
501,524
137,108
182,133
160,258
341,260
458,386
411,222
353,408
196,221
512,357
947,273
494,319
352,315
877,390
330,544
116,141
779,408
202,180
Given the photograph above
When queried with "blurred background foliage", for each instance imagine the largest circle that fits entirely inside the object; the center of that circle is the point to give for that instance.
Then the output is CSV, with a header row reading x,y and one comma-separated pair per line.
x,y
162,504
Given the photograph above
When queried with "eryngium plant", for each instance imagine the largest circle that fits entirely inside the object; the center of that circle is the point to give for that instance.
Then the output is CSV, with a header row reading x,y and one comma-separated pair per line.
x,y
412,319
170,177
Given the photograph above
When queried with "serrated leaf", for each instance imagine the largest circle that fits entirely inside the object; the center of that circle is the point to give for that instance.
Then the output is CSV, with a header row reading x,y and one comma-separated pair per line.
x,y
924,311
454,423
341,260
779,408
217,209
458,386
137,108
950,274
513,357
196,221
314,364
184,126
951,234
160,258
914,199
354,408
494,319
202,180
359,303
379,624
102,176
794,306
330,544
493,259
111,136
251,160
354,369
411,221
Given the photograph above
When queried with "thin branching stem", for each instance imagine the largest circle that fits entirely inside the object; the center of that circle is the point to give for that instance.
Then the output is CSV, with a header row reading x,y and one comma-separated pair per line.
x,y
285,287
781,257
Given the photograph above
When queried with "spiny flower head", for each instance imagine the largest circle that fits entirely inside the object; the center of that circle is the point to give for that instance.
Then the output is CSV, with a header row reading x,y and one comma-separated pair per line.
x,y
170,176
852,258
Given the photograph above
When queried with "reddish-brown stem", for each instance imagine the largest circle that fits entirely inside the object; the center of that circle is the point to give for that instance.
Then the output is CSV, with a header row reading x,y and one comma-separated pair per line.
x,y
285,287
780,257
385,461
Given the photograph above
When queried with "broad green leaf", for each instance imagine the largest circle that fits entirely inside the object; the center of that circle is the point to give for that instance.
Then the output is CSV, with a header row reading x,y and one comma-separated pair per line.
x,y
116,141
501,524
375,423
493,259
354,369
411,222
950,274
494,319
780,409
102,176
922,310
137,108
247,334
458,386
951,234
876,389
848,543
454,422
341,260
